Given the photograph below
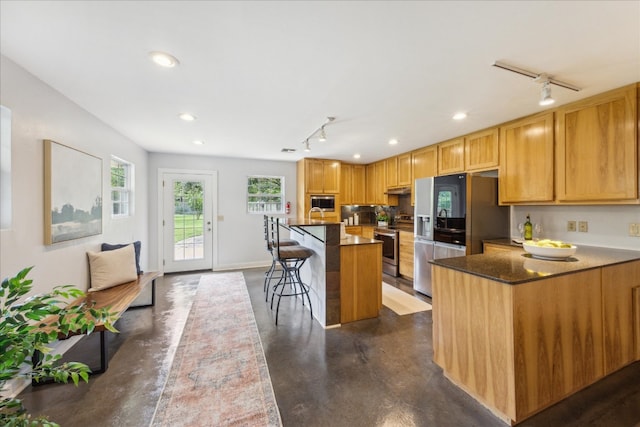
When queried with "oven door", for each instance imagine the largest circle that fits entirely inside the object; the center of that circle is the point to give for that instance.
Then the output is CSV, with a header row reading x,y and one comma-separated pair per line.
x,y
390,249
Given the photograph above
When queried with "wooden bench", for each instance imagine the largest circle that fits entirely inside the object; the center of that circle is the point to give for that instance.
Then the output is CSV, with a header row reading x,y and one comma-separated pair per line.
x,y
118,298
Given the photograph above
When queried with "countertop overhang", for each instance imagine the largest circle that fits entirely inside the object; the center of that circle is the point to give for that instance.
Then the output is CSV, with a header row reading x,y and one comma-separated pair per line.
x,y
514,267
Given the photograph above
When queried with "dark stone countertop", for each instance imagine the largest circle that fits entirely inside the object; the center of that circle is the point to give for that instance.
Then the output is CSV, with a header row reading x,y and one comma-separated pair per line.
x,y
514,267
351,240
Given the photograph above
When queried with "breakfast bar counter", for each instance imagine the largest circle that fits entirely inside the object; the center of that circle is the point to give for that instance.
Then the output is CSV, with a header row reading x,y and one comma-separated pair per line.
x,y
344,274
520,334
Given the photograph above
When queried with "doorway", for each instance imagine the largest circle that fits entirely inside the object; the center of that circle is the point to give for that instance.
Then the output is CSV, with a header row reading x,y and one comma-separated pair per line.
x,y
188,210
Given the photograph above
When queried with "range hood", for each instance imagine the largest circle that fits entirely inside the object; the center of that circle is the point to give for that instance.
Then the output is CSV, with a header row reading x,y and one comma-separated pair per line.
x,y
399,190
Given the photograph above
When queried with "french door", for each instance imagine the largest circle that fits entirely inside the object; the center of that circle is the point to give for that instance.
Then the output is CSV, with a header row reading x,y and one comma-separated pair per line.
x,y
187,221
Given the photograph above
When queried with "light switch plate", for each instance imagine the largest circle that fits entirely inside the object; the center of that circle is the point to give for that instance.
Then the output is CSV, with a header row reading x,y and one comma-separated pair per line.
x,y
634,229
583,226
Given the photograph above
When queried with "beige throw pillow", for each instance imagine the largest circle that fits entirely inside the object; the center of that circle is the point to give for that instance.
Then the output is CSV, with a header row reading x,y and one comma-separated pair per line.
x,y
112,268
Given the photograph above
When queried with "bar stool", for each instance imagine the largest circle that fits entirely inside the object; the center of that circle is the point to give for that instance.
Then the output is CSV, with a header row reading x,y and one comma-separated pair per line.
x,y
291,258
269,237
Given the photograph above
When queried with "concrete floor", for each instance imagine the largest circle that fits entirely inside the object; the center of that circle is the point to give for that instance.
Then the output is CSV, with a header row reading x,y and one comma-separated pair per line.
x,y
374,372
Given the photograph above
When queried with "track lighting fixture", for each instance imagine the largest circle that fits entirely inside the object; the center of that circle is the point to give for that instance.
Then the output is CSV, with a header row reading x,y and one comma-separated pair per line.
x,y
545,96
320,132
323,135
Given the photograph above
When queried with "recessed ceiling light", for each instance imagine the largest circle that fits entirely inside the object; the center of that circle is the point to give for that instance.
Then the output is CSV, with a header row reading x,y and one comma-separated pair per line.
x,y
198,142
187,117
356,156
164,59
393,141
459,116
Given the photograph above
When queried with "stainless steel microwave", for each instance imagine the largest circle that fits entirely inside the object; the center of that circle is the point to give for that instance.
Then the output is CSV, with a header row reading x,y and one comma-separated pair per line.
x,y
326,202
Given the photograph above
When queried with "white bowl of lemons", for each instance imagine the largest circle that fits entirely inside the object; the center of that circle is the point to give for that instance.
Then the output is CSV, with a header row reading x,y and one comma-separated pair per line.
x,y
549,249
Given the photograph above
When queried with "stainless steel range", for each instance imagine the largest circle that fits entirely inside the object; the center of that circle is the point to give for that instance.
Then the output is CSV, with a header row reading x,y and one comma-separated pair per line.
x,y
390,237
390,249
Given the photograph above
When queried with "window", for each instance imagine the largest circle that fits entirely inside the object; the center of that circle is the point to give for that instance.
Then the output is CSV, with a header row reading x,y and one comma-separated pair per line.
x,y
265,194
121,188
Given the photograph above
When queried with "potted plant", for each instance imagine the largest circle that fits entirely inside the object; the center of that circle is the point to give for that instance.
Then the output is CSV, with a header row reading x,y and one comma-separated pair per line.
x,y
22,333
382,218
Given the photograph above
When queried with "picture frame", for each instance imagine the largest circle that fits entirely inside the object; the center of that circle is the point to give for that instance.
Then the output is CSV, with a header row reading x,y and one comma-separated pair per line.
x,y
72,193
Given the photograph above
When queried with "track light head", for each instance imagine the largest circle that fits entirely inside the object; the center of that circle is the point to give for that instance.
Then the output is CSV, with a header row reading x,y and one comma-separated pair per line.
x,y
545,96
307,147
323,135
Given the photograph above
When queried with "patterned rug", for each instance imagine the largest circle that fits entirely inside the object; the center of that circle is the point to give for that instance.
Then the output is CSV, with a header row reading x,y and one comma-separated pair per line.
x,y
219,375
401,302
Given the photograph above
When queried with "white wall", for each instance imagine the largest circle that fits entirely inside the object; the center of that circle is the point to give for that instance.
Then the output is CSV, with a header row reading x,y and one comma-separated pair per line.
x,y
240,240
40,112
608,225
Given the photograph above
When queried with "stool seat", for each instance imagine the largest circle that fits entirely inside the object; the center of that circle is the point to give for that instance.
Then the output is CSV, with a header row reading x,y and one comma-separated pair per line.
x,y
294,252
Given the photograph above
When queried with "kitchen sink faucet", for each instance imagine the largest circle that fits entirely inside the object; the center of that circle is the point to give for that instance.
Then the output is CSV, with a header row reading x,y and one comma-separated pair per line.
x,y
315,209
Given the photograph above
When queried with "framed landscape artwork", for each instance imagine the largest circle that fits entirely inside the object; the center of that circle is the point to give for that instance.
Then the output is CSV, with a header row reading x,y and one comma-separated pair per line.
x,y
72,193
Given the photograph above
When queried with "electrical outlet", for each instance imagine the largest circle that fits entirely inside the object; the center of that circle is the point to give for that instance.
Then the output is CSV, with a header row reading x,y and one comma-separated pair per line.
x,y
571,226
583,226
634,229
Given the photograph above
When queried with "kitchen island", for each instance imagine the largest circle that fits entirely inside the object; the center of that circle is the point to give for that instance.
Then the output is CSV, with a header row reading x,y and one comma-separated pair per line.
x,y
345,275
520,334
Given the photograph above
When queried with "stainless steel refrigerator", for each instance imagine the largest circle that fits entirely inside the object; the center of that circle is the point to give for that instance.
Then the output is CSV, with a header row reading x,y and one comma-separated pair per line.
x,y
453,215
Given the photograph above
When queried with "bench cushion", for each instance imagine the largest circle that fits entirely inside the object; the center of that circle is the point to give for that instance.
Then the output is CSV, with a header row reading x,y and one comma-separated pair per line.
x,y
136,245
112,268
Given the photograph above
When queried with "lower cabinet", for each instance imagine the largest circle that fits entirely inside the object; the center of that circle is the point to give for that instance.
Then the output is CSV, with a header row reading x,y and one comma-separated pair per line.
x,y
621,312
367,231
360,281
406,254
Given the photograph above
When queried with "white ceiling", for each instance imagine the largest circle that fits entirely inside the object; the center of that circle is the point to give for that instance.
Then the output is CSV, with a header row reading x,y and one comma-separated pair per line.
x,y
261,76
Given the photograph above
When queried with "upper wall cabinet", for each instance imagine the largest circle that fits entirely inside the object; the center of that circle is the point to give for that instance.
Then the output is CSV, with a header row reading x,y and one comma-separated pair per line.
x,y
405,172
597,148
481,150
526,160
425,162
321,176
451,157
352,184
392,172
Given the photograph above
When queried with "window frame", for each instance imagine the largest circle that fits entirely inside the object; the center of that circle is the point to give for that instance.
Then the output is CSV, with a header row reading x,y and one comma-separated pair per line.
x,y
281,195
126,190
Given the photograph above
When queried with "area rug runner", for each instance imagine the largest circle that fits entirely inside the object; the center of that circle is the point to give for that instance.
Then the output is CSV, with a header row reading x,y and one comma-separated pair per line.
x,y
219,376
401,302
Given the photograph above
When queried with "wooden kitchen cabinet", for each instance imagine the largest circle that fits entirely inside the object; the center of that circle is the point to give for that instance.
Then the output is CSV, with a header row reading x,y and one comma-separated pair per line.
x,y
451,157
360,281
358,185
481,150
367,231
391,172
526,160
376,185
346,184
354,230
406,254
352,184
405,170
597,148
321,176
621,328
425,162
